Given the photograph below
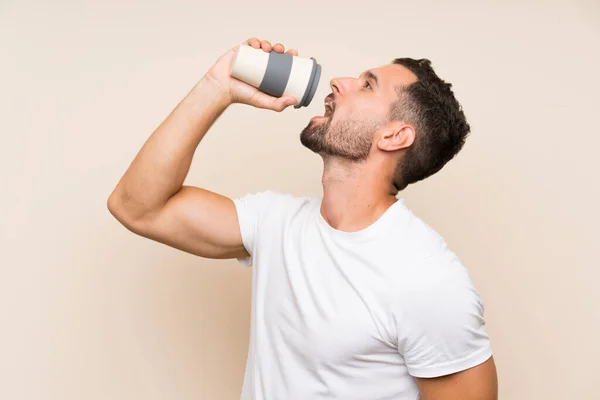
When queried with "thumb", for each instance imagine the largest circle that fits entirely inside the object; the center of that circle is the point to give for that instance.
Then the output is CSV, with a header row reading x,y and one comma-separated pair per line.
x,y
262,100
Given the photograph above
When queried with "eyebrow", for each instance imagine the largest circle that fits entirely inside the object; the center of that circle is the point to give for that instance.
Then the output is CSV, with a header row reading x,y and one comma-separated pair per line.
x,y
372,76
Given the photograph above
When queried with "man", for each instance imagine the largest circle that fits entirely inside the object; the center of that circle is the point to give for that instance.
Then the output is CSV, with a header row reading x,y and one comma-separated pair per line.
x,y
353,296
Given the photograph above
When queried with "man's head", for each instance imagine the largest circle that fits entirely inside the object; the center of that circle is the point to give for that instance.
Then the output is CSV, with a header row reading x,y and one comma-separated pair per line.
x,y
402,110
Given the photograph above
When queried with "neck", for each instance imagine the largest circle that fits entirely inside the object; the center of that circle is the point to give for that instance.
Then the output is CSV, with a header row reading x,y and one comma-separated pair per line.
x,y
354,194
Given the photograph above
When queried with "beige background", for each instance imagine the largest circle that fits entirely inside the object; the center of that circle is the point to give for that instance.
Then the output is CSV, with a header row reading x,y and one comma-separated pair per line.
x,y
91,311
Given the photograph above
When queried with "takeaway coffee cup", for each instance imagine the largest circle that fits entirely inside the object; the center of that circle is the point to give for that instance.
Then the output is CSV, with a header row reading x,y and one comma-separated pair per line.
x,y
277,74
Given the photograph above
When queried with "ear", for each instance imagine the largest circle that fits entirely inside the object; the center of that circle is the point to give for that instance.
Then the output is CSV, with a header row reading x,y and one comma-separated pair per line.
x,y
396,136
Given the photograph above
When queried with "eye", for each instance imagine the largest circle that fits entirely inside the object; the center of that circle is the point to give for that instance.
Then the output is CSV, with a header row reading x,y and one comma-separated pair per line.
x,y
367,84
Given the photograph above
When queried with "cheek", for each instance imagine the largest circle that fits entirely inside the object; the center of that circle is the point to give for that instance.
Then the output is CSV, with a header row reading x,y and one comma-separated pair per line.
x,y
359,110
354,117
345,113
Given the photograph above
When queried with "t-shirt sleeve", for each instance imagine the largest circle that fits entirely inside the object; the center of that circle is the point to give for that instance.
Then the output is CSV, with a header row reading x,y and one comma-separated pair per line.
x,y
251,211
440,324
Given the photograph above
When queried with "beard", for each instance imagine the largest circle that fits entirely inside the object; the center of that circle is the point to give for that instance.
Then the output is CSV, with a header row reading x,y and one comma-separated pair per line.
x,y
350,139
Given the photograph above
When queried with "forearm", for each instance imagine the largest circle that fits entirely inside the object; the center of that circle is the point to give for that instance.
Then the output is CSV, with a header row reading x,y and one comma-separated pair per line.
x,y
161,166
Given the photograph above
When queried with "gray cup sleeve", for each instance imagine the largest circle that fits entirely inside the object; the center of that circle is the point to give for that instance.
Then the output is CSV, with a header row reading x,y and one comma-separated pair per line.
x,y
277,74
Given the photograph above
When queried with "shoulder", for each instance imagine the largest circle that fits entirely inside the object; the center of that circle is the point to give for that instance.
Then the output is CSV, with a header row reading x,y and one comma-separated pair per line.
x,y
414,245
420,238
438,301
435,280
440,280
433,284
270,203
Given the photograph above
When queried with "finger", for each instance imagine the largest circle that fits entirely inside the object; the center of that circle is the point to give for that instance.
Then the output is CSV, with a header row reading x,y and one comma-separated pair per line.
x,y
263,100
278,48
265,45
292,52
254,42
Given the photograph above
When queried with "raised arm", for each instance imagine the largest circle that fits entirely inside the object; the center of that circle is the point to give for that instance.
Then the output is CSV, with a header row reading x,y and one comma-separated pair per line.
x,y
150,199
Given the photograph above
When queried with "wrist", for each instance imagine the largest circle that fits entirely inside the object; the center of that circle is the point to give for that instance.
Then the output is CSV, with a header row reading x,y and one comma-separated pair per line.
x,y
214,90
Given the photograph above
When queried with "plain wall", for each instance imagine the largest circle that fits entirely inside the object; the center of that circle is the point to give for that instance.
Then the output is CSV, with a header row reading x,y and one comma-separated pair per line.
x,y
92,311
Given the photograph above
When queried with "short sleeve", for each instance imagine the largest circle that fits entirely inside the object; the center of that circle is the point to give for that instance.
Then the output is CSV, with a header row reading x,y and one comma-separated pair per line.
x,y
251,210
441,326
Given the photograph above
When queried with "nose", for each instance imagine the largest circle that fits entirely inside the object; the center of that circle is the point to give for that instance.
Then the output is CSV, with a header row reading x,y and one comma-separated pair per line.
x,y
336,86
341,86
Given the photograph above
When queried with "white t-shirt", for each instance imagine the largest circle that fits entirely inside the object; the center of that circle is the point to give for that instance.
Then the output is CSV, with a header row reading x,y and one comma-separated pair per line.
x,y
352,315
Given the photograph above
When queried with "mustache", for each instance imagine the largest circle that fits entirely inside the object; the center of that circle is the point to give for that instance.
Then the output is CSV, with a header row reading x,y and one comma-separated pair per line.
x,y
331,100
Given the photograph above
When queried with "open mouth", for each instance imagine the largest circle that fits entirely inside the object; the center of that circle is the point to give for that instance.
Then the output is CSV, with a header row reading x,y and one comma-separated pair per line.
x,y
329,107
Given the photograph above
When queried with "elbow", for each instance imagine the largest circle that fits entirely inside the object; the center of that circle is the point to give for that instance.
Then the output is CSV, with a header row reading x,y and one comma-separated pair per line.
x,y
130,213
118,208
115,207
